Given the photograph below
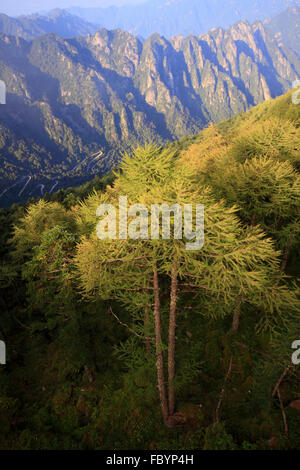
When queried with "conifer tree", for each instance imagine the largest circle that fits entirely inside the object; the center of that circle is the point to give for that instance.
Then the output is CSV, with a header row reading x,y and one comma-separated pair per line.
x,y
39,218
268,194
234,262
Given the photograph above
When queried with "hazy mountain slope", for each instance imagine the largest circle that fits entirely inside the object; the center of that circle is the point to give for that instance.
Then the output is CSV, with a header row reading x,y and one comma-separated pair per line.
x,y
16,7
286,28
68,99
57,21
173,17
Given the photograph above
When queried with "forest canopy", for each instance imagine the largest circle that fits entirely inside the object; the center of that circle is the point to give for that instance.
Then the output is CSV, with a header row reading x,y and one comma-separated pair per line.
x,y
142,344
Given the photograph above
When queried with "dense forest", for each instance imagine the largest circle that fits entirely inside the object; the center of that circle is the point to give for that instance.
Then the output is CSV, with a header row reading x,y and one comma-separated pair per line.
x,y
142,344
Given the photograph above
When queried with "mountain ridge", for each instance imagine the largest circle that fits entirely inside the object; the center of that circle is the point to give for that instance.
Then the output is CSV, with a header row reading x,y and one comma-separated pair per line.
x,y
70,98
285,27
57,21
182,17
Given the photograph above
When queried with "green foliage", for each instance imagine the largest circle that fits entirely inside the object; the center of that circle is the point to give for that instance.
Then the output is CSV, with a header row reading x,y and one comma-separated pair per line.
x,y
77,312
216,438
39,218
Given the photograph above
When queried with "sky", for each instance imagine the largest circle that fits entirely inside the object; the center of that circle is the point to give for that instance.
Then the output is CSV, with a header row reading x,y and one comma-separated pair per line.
x,y
25,7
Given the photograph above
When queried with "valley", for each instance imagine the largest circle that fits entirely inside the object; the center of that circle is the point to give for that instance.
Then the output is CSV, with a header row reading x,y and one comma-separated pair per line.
x,y
102,93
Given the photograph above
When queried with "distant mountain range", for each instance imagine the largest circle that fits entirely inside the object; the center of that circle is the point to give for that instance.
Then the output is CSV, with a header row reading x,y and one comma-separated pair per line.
x,y
182,17
28,7
286,28
74,104
165,17
57,21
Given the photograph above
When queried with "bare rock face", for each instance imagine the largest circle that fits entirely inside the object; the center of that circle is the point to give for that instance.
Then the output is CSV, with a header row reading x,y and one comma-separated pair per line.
x,y
68,98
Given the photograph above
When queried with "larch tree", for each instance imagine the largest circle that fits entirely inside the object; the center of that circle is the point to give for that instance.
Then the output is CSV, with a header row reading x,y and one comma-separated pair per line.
x,y
142,272
267,192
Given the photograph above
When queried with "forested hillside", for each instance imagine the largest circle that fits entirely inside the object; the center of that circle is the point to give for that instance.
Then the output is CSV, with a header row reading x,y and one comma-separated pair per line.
x,y
142,344
73,105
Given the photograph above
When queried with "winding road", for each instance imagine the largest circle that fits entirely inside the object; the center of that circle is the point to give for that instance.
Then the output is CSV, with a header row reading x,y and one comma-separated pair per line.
x,y
53,187
29,178
25,180
42,186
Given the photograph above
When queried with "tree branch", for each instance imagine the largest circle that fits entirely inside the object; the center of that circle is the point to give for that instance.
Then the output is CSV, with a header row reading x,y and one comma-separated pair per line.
x,y
280,381
130,329
286,428
223,390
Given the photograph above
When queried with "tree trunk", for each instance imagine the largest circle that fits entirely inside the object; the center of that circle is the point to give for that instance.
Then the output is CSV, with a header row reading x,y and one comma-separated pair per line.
x,y
172,340
286,427
285,259
159,353
146,326
282,377
236,316
222,394
88,374
277,391
234,328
